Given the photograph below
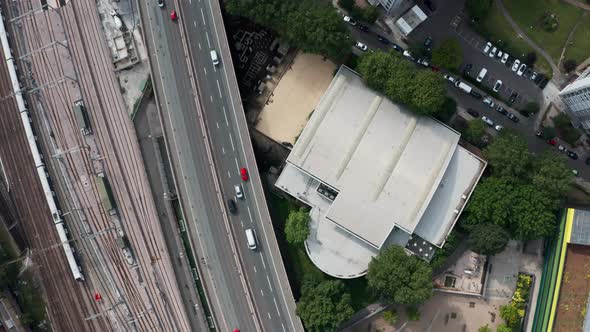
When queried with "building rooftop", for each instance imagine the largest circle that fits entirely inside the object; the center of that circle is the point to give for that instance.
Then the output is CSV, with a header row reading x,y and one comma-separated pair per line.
x,y
583,81
411,19
371,166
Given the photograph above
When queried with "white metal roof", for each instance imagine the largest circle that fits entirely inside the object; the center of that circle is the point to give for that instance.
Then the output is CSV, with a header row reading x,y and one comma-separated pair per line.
x,y
411,19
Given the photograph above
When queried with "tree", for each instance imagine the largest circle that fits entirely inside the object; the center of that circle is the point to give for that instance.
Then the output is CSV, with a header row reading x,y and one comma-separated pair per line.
x,y
518,207
297,226
377,68
413,313
475,130
530,59
429,93
509,156
552,175
530,108
400,87
503,328
569,65
324,306
448,55
402,278
448,109
487,239
510,314
390,316
485,328
478,9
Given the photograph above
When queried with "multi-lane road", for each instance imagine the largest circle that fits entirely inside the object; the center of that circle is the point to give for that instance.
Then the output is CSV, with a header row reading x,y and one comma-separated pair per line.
x,y
208,143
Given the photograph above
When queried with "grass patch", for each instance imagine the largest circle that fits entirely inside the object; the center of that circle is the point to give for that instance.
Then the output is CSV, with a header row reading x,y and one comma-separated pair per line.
x,y
580,49
529,19
497,30
298,264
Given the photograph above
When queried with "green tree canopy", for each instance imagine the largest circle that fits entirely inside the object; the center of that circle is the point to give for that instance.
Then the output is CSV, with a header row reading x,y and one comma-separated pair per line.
x,y
310,26
475,130
520,208
377,68
478,9
509,156
297,226
552,175
428,93
402,278
510,314
448,55
487,239
503,328
324,306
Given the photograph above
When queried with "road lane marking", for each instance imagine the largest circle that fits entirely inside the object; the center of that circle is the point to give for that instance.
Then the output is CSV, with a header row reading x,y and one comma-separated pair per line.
x,y
211,97
250,214
217,123
261,292
277,306
219,89
255,269
222,150
225,114
195,23
268,313
203,16
232,143
205,70
228,174
242,223
269,285
190,2
237,165
208,42
262,259
199,46
284,330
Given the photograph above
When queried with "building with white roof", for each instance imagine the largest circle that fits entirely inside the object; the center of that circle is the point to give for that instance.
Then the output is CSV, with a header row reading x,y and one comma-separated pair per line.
x,y
576,96
375,174
410,20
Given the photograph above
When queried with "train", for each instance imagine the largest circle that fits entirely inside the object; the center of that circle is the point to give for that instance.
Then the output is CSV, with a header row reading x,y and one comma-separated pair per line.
x,y
42,174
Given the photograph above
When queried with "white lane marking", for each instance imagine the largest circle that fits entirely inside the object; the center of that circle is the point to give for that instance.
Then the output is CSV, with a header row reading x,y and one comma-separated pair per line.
x,y
203,15
217,123
284,330
262,259
190,2
261,292
237,165
232,143
277,306
242,223
255,271
219,88
268,313
228,174
211,97
195,23
269,285
222,150
199,46
250,214
205,70
208,42
225,114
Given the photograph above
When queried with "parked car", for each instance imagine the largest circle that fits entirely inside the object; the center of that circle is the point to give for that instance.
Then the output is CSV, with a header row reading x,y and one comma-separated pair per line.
x,y
487,48
513,97
488,121
428,43
493,52
515,65
408,55
161,3
487,100
504,58
473,113
551,141
534,76
173,15
362,27
521,69
349,20
475,94
361,46
481,75
497,86
383,39
449,78
587,161
499,55
498,127
572,155
513,117
501,110
467,69
562,148
397,47
422,62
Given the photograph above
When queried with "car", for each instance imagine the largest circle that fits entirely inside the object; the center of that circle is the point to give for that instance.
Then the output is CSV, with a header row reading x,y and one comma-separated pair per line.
x,y
587,161
397,47
493,52
501,110
539,134
488,121
509,62
422,62
499,55
513,117
475,94
428,43
487,48
534,75
244,173
527,73
173,15
515,65
551,141
473,113
497,86
232,206
488,101
382,39
467,69
513,97
362,27
498,127
408,55
161,3
574,172
521,70
572,155
504,58
238,191
562,148
449,78
349,20
361,46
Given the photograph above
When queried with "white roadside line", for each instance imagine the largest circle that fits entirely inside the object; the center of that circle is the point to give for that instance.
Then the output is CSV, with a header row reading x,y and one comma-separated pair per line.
x,y
262,259
203,16
269,284
222,150
208,41
237,165
231,140
277,306
219,89
250,214
254,268
225,115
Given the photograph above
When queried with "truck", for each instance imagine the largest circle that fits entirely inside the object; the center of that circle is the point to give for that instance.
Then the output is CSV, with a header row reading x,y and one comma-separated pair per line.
x,y
466,88
82,117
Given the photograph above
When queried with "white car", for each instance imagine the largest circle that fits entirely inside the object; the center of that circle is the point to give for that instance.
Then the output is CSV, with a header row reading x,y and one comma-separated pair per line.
x,y
450,78
361,46
493,52
521,70
408,55
422,62
488,101
349,20
486,49
497,86
498,128
499,55
515,65
505,58
488,121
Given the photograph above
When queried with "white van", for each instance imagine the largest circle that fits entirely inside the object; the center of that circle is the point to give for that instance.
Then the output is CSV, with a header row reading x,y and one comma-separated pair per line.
x,y
238,191
251,238
481,75
214,58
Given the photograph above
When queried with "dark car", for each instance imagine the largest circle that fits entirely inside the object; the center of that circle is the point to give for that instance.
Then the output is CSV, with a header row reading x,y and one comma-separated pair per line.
x,y
231,205
382,39
588,161
428,43
467,69
430,5
362,27
501,110
543,83
397,47
473,113
513,97
475,94
528,73
513,117
161,3
572,154
510,61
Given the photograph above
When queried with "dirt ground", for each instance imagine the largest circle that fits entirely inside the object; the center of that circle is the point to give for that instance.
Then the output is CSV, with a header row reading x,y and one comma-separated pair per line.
x,y
295,97
575,285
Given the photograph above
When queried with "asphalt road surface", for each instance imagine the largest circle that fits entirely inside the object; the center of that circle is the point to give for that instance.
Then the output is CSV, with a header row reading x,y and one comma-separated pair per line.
x,y
261,298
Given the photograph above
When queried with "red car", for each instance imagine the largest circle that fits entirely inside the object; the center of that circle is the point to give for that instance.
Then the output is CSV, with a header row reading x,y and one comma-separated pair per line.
x,y
244,174
552,141
173,15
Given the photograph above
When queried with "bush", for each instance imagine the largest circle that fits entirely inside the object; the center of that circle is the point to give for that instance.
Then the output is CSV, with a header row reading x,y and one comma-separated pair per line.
x,y
448,109
448,55
569,65
368,14
390,316
550,22
530,108
413,313
485,328
565,130
477,9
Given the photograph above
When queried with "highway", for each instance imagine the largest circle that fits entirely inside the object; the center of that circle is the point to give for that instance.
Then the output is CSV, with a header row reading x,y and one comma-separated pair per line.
x,y
260,299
